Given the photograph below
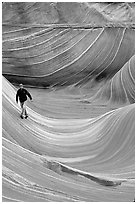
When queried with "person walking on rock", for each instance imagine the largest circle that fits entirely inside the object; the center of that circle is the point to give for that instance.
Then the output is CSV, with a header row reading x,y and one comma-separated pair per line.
x,y
22,95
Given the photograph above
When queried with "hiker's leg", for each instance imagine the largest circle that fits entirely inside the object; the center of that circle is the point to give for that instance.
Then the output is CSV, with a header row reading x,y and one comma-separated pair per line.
x,y
25,109
22,108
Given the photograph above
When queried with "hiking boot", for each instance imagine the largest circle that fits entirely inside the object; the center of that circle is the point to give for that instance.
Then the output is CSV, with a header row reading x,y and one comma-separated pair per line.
x,y
26,116
21,116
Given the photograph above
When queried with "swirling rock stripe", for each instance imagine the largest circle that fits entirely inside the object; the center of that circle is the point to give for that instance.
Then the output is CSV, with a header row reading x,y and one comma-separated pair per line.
x,y
78,58
121,88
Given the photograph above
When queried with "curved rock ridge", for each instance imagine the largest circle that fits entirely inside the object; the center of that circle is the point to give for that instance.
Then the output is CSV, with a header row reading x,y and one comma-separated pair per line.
x,y
121,88
96,154
64,56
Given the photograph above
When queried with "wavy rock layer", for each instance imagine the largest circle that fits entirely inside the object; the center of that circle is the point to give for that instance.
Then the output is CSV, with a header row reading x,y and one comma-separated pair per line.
x,y
77,158
78,143
121,88
62,56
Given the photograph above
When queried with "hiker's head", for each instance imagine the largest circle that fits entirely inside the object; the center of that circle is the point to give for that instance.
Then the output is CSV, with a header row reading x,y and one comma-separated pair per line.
x,y
21,86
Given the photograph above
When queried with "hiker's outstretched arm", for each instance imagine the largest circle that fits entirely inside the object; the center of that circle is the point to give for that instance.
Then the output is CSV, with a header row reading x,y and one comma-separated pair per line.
x,y
29,95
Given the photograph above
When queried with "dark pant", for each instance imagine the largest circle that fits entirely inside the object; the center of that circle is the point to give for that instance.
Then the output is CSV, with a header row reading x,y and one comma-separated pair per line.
x,y
23,107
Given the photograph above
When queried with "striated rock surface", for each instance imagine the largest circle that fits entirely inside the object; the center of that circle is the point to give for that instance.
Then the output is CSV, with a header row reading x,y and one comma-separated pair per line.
x,y
62,44
77,59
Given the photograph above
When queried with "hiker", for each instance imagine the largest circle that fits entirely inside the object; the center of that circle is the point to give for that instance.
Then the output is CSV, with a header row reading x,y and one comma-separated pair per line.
x,y
22,95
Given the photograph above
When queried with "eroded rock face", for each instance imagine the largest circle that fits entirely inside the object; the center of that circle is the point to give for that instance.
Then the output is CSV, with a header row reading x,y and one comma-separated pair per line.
x,y
84,44
67,12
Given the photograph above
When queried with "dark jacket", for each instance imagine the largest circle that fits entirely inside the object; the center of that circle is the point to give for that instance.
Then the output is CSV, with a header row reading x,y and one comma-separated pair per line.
x,y
22,95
